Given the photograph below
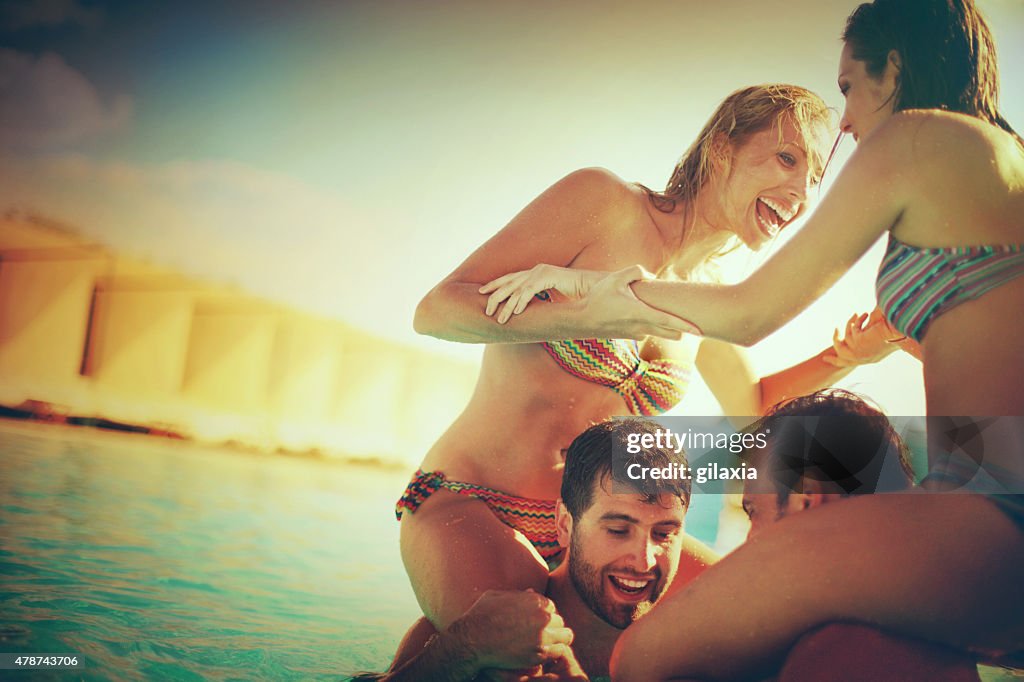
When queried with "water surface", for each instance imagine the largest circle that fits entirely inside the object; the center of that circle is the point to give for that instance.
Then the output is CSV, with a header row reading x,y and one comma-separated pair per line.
x,y
153,558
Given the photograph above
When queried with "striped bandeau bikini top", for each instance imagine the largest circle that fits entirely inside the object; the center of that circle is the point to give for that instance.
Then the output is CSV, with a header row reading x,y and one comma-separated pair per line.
x,y
649,387
917,284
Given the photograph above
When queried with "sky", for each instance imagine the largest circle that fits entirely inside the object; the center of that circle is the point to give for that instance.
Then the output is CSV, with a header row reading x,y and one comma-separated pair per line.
x,y
342,157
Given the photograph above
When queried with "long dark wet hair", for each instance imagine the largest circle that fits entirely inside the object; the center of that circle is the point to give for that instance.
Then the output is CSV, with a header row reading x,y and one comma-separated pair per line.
x,y
947,53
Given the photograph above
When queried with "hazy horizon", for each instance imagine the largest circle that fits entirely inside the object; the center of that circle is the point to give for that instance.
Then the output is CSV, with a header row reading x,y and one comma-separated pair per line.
x,y
343,157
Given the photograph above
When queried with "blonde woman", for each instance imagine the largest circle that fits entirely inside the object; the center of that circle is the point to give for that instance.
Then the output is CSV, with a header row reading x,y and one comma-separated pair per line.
x,y
479,514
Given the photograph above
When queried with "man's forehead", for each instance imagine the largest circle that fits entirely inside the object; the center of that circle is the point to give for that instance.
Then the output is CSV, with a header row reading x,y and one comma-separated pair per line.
x,y
762,485
759,459
633,504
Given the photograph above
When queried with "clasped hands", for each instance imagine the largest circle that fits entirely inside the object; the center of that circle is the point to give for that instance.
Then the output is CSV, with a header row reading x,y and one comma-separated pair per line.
x,y
612,310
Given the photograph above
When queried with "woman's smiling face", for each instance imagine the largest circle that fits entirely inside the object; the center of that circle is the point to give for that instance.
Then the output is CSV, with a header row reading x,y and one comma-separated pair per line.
x,y
869,100
768,180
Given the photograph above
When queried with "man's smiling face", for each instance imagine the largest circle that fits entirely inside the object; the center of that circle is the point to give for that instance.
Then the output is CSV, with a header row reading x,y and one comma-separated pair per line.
x,y
624,552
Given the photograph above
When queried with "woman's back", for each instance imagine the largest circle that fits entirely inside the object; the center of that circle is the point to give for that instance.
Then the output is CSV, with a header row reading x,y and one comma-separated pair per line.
x,y
964,181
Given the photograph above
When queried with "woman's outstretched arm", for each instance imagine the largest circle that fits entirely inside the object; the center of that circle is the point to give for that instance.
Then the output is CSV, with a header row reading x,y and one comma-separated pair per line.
x,y
868,198
742,393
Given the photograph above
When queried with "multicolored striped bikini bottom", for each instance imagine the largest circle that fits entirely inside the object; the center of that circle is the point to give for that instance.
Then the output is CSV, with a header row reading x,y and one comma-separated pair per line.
x,y
535,519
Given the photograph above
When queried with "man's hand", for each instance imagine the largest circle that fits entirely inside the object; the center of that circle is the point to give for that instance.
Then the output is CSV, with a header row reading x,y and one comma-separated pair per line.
x,y
562,666
510,630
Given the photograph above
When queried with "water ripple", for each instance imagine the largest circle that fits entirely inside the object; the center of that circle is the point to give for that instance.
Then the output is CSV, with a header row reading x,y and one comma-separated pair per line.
x,y
171,562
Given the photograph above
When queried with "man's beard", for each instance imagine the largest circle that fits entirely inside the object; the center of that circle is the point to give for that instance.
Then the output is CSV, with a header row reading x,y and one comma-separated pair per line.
x,y
590,583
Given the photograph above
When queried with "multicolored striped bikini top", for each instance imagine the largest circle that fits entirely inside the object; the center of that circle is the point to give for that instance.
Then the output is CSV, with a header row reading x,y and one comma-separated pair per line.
x,y
916,285
648,387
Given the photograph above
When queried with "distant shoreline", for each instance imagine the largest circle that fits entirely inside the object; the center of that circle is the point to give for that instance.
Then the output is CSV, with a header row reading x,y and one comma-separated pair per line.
x,y
39,416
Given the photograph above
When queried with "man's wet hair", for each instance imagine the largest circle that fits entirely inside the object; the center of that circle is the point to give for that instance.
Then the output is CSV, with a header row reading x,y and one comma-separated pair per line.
x,y
834,437
589,461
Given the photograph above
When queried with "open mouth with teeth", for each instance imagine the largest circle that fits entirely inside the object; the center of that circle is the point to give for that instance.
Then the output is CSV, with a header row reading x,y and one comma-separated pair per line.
x,y
632,589
772,216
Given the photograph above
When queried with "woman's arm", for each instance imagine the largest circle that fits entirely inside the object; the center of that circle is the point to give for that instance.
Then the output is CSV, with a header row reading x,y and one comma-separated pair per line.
x,y
741,393
868,198
549,229
587,210
744,395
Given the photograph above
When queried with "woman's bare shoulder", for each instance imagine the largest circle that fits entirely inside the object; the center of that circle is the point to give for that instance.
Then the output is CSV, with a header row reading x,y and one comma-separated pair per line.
x,y
937,136
923,150
957,171
610,204
600,185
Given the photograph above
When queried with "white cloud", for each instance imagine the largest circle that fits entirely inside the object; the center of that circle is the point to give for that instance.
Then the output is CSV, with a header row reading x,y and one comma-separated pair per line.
x,y
47,104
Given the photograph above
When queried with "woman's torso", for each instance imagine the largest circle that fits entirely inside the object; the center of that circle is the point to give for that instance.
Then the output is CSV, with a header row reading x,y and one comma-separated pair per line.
x,y
968,190
526,409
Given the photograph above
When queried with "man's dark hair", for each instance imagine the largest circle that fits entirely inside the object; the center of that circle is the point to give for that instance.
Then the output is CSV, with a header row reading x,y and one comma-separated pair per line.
x,y
833,436
589,462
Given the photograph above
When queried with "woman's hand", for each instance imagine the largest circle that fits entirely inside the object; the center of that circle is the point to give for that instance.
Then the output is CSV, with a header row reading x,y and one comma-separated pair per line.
x,y
867,339
519,288
614,311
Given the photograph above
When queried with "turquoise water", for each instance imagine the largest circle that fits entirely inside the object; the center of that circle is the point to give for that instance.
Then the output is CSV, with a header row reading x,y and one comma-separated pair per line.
x,y
155,559
160,559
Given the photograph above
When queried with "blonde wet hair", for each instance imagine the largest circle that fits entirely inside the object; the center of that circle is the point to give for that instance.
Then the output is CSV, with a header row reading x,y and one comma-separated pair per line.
x,y
740,115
